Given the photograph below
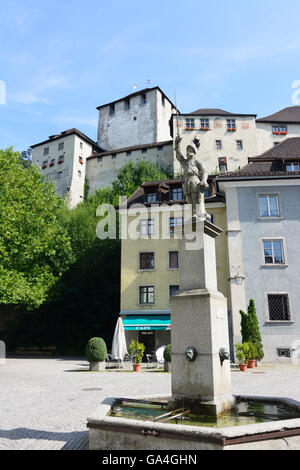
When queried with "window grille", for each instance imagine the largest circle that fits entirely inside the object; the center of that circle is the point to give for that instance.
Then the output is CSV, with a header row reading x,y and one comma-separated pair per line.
x,y
279,309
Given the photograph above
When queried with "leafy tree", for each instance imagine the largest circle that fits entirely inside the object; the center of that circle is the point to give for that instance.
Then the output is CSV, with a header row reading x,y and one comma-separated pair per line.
x,y
250,329
132,176
34,249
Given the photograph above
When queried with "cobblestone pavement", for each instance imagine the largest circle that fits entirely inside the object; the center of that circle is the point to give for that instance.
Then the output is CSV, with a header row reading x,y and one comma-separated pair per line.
x,y
44,403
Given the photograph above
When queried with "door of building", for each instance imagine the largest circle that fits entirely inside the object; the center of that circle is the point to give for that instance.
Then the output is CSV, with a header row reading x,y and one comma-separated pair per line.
x,y
148,339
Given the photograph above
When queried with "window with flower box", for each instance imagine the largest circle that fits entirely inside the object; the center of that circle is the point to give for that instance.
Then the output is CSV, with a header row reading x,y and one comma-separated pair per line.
x,y
52,162
279,130
61,159
204,124
231,125
45,164
189,124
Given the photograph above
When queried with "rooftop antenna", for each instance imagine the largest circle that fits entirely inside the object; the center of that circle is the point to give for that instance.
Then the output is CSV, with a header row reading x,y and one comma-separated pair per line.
x,y
148,83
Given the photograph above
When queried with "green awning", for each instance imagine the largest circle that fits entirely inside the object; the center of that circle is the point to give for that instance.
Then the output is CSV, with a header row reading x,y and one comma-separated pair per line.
x,y
147,322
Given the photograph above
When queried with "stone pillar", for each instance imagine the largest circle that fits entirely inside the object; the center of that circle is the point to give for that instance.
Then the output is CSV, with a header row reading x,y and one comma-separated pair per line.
x,y
199,320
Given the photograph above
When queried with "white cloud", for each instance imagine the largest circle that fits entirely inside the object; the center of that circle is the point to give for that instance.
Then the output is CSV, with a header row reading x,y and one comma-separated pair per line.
x,y
28,98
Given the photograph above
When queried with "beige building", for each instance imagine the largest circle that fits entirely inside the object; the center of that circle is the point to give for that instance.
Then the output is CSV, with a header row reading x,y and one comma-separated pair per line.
x,y
63,159
225,140
272,130
150,261
103,168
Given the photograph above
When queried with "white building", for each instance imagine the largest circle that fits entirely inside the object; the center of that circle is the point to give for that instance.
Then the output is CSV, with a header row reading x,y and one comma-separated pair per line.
x,y
272,130
63,159
137,119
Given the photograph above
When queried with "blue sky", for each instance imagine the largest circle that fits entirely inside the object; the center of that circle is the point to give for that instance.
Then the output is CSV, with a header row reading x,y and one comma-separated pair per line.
x,y
61,59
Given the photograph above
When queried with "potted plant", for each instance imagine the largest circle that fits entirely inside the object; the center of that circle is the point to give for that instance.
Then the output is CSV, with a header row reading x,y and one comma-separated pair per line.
x,y
252,355
136,350
167,358
242,354
96,352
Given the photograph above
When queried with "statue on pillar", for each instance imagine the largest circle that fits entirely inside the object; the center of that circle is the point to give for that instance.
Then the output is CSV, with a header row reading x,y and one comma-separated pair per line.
x,y
195,179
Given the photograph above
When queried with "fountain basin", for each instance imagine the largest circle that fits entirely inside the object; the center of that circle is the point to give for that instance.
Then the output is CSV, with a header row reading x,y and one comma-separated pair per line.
x,y
118,433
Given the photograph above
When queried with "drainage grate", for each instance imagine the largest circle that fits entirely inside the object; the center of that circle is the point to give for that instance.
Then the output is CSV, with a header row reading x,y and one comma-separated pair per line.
x,y
91,389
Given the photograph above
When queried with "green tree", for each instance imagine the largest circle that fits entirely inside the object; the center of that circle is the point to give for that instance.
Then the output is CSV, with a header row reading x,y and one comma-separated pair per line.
x,y
34,249
132,176
250,329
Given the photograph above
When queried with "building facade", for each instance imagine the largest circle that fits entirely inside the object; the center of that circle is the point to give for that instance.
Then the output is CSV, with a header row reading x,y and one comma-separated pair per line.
x,y
137,119
150,261
103,168
225,141
63,160
263,221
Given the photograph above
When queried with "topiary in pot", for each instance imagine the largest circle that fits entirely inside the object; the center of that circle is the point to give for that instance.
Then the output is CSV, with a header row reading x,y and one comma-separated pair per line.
x,y
136,350
96,352
167,358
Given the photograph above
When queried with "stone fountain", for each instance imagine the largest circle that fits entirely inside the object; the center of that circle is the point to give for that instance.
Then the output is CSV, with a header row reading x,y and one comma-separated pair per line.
x,y
201,375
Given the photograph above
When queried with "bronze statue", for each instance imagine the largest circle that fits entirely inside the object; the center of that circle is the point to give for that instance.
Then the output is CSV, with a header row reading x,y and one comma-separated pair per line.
x,y
195,179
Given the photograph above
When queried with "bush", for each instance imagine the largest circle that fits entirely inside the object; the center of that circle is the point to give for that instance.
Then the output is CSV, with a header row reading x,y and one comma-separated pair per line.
x,y
168,354
96,350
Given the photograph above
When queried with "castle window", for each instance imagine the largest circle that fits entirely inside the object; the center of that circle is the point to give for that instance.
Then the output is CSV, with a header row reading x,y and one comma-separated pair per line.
x,y
46,151
218,144
128,154
189,124
163,101
144,98
223,165
239,145
231,125
61,146
127,104
59,175
144,150
99,159
111,109
79,173
160,148
204,123
114,156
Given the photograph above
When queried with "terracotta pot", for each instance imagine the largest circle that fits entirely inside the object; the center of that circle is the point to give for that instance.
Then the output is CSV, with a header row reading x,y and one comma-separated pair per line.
x,y
251,364
137,367
243,367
